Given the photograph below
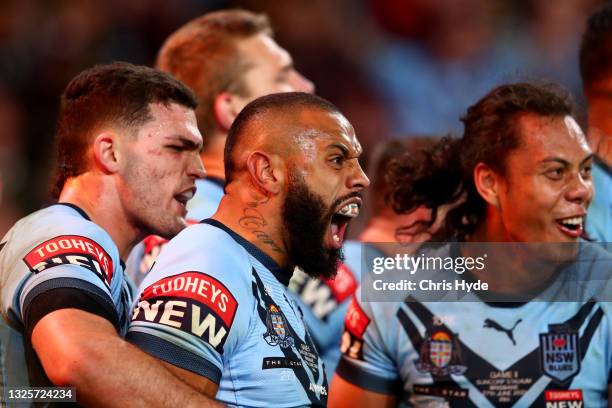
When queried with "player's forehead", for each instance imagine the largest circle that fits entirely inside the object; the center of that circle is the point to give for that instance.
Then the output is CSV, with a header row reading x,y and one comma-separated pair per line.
x,y
261,49
172,120
327,130
556,136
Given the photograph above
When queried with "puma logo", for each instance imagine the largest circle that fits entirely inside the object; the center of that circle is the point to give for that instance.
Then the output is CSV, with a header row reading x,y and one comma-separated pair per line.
x,y
492,324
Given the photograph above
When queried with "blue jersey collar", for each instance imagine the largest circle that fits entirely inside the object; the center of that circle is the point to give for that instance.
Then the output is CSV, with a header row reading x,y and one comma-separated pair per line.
x,y
282,274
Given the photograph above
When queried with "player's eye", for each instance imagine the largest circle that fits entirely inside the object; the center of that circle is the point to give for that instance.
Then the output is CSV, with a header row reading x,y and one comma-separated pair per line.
x,y
337,160
556,173
585,172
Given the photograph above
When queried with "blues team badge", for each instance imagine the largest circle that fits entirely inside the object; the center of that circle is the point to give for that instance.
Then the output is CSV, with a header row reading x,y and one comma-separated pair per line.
x,y
440,354
277,333
560,353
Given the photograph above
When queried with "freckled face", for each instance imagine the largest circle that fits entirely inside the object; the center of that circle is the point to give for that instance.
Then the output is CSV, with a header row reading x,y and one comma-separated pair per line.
x,y
160,166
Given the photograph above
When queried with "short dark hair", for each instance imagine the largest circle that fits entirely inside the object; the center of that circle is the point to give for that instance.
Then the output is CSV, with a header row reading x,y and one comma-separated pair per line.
x,y
118,94
444,173
286,102
204,55
596,46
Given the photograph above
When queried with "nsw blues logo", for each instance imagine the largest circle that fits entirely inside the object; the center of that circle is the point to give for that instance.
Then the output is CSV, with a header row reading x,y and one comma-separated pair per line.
x,y
277,333
560,353
440,354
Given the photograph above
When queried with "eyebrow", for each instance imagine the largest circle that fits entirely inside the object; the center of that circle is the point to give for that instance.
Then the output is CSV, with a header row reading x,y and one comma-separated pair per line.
x,y
186,143
339,146
565,162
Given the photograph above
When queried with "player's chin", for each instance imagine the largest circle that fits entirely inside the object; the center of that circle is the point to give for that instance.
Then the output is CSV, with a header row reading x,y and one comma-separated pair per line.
x,y
171,226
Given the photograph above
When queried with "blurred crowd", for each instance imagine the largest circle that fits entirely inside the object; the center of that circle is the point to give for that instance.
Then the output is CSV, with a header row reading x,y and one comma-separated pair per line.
x,y
396,68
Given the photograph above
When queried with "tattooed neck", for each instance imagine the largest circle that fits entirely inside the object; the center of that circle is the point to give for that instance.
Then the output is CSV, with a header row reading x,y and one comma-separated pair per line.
x,y
253,221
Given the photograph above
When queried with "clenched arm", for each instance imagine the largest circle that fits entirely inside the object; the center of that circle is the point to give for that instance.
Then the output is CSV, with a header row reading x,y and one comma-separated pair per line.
x,y
83,350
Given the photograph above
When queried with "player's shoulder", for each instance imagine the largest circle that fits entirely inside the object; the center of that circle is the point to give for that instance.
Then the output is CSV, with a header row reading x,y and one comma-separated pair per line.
x,y
60,227
209,241
207,249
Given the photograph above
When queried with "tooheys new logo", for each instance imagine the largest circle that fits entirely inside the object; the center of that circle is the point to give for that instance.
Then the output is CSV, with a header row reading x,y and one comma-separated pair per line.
x,y
193,302
73,250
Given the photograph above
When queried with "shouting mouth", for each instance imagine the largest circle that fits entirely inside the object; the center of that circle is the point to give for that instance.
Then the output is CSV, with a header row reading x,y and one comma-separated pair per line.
x,y
340,221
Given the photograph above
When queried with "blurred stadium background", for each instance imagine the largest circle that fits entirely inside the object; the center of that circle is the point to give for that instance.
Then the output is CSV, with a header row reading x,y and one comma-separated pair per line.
x,y
395,67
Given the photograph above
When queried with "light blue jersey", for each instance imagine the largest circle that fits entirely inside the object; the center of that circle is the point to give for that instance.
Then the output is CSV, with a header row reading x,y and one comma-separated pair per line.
x,y
214,304
325,302
599,217
52,259
475,354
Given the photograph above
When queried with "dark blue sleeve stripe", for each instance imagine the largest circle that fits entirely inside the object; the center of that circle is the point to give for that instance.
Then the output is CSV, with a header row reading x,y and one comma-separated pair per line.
x,y
175,355
351,373
75,294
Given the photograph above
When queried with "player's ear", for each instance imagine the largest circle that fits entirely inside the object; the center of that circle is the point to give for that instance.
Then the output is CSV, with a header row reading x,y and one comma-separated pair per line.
x,y
225,110
487,183
105,152
265,171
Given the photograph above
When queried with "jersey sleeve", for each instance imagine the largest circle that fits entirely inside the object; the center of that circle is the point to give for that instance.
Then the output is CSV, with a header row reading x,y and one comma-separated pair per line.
x,y
366,360
75,266
194,306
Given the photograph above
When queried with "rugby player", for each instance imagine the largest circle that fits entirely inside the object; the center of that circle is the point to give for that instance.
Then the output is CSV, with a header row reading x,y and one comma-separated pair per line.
x,y
524,166
127,162
326,300
215,305
228,58
596,72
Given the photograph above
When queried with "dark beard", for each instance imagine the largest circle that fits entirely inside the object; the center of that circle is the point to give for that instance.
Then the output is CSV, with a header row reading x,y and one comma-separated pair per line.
x,y
306,221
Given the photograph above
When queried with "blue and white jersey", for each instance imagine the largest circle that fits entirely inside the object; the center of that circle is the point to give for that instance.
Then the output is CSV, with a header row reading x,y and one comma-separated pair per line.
x,y
202,205
475,354
57,258
325,301
214,304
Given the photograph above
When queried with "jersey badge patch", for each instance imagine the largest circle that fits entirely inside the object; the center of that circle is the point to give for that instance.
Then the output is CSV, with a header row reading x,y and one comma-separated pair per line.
x,y
71,250
440,354
277,333
560,353
193,302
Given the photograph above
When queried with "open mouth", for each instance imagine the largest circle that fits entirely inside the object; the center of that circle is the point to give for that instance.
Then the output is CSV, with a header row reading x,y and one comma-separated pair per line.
x,y
340,221
571,226
183,197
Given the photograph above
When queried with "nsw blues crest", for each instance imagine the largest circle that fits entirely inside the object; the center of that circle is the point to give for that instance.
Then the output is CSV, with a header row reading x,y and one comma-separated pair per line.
x,y
440,354
277,333
560,353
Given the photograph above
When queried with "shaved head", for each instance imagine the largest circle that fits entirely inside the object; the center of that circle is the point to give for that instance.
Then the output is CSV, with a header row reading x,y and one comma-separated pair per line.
x,y
282,123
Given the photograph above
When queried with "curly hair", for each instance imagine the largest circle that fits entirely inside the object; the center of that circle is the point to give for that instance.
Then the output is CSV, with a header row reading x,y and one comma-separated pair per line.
x,y
443,174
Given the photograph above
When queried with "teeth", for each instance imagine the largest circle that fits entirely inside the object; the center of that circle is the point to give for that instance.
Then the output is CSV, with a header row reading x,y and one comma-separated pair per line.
x,y
349,210
572,221
336,238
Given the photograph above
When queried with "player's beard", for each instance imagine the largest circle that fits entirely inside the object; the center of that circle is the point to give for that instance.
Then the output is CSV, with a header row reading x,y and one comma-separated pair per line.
x,y
306,220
